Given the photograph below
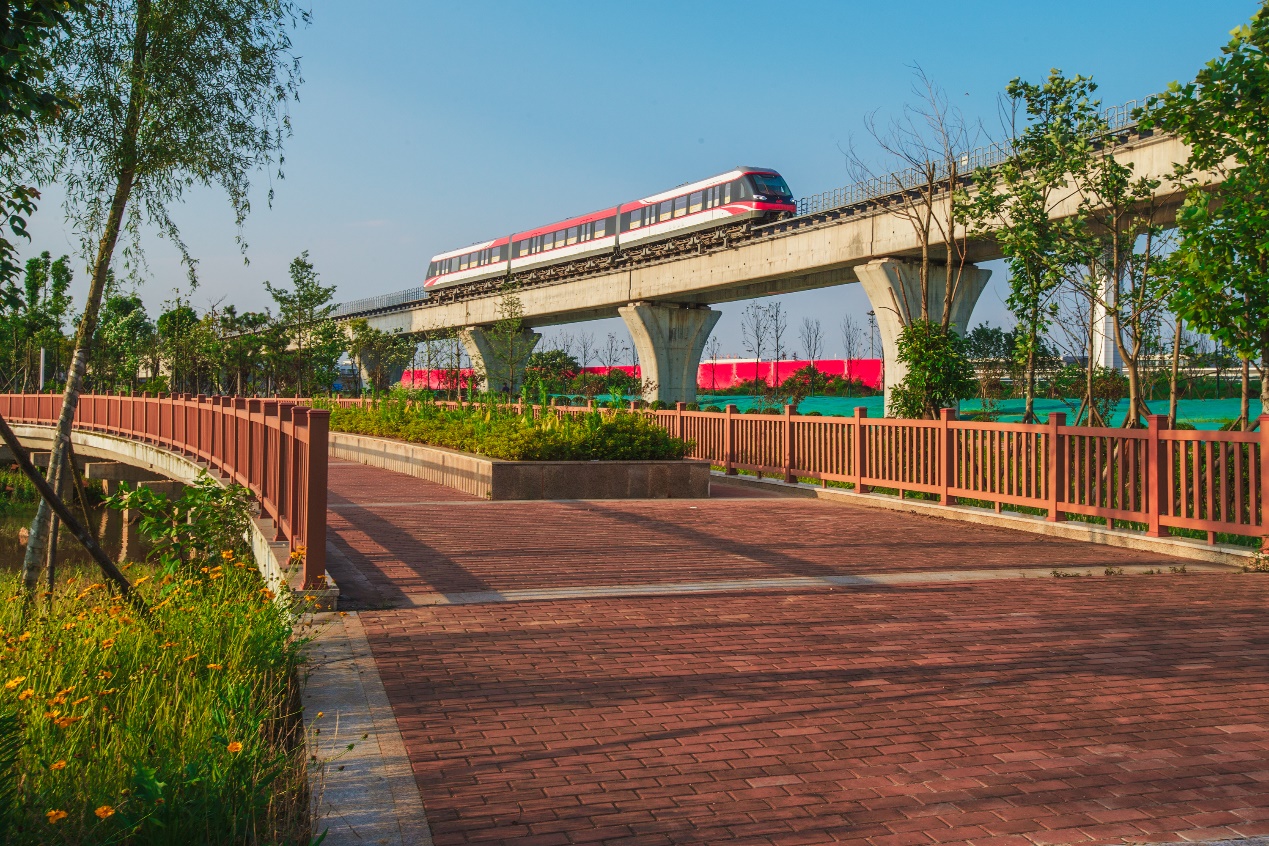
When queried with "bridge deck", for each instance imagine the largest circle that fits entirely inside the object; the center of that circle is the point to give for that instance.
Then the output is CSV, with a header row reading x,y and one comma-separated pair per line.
x,y
704,672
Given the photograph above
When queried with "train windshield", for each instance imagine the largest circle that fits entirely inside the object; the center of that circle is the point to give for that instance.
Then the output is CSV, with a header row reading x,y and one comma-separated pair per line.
x,y
770,183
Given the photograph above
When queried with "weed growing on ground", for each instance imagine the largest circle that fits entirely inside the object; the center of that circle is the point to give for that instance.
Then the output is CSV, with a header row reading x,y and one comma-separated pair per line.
x,y
1063,574
183,728
1114,571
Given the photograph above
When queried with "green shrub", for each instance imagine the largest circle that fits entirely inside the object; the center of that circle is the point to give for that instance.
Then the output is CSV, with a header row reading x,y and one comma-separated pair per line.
x,y
498,432
714,408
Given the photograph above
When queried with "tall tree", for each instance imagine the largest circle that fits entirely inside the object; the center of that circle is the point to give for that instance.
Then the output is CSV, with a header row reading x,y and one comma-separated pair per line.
x,y
1221,262
929,142
29,98
304,312
170,96
1051,128
812,337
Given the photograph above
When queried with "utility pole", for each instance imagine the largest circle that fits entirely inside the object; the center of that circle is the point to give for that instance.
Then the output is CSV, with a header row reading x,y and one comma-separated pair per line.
x,y
41,369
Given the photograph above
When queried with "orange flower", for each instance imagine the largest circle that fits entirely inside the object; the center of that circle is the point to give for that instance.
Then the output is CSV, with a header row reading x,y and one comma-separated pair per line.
x,y
80,701
12,684
215,666
234,748
189,657
139,581
24,637
26,694
60,765
107,643
55,817
108,691
104,812
227,554
66,722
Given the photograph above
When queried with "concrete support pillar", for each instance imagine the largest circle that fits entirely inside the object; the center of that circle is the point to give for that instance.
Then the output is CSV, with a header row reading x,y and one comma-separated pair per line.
x,y
894,289
499,361
669,340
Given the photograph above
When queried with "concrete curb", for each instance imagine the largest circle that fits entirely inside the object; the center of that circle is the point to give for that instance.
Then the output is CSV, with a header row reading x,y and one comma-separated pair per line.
x,y
366,793
1234,557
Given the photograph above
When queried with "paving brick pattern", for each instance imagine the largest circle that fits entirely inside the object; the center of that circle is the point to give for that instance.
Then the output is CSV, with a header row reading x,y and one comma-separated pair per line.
x,y
1127,709
480,546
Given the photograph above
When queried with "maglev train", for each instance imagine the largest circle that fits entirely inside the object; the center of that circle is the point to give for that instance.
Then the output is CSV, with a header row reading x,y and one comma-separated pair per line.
x,y
740,194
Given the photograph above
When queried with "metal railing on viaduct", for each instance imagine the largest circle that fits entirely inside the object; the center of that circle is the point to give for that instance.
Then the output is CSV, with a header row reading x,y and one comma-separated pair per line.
x,y
277,449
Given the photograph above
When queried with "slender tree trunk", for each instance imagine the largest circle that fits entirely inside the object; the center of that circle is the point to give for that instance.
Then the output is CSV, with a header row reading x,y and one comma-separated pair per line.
x,y
1028,415
37,544
1173,399
1244,400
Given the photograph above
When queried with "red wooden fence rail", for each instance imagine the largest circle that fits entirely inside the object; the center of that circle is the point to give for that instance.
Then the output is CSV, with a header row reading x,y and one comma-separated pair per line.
x,y
277,449
1155,477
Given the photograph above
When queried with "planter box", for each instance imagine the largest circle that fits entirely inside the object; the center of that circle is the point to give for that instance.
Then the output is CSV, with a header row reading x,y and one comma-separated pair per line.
x,y
493,478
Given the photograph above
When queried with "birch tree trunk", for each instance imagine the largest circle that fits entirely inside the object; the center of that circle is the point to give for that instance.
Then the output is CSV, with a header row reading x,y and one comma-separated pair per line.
x,y
37,544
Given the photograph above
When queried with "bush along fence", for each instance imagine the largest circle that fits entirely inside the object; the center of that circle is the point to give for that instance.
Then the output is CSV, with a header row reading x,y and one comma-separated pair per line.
x,y
277,449
1154,479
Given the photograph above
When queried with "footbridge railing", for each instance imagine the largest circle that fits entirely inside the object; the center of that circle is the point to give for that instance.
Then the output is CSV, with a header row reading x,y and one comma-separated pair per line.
x,y
277,449
1154,478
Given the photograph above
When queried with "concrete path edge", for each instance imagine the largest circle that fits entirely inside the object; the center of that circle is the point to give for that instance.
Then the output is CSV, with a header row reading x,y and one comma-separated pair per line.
x,y
363,787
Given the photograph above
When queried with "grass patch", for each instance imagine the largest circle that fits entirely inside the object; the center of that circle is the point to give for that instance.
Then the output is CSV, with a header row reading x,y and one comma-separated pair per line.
x,y
498,431
179,729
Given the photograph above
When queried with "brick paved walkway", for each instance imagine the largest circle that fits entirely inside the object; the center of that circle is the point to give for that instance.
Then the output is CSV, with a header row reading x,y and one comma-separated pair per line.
x,y
1126,709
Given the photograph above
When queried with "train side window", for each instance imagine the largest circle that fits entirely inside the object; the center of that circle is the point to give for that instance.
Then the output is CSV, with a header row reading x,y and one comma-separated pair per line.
x,y
572,235
665,210
635,219
740,190
559,237
694,202
462,262
680,206
599,228
727,193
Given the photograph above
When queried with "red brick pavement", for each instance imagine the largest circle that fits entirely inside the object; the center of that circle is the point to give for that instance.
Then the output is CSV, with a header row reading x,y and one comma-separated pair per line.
x,y
478,546
1128,709
1047,711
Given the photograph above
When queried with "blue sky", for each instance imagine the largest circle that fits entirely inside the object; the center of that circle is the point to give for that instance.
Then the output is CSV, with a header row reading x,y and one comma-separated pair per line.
x,y
425,126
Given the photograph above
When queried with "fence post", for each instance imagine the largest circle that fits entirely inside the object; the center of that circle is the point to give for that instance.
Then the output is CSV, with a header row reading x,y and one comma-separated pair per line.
x,y
789,476
861,449
315,499
1055,466
947,446
1264,479
678,429
729,442
1157,477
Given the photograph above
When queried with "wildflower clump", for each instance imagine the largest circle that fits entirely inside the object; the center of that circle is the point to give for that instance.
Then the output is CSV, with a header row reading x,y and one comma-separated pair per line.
x,y
109,734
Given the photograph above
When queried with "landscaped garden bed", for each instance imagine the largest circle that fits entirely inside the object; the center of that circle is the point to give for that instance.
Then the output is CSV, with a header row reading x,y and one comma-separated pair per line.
x,y
172,720
498,430
494,451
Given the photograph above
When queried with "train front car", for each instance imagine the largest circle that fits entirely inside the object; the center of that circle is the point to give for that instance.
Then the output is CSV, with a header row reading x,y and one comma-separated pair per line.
x,y
470,264
746,193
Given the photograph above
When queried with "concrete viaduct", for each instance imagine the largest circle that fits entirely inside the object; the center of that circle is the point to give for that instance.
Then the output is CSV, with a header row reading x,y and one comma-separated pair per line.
x,y
665,304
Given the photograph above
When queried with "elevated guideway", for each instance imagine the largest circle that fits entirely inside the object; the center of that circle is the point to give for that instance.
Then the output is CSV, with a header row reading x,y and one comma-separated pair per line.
x,y
851,235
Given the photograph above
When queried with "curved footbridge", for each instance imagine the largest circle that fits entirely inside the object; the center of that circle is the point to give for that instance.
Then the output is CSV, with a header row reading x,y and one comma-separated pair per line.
x,y
750,667
275,448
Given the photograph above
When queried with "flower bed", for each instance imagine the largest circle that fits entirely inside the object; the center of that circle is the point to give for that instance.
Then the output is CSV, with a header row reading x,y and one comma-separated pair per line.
x,y
497,431
180,728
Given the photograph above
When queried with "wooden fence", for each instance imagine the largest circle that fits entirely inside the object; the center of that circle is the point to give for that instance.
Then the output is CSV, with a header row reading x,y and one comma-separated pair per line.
x,y
1154,478
277,449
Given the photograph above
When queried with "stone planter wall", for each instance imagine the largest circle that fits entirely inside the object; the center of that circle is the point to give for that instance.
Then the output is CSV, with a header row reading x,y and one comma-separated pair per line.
x,y
493,478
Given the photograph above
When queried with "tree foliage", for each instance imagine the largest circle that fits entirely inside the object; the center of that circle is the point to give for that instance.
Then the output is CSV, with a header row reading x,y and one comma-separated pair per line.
x,y
1221,263
1051,126
938,371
